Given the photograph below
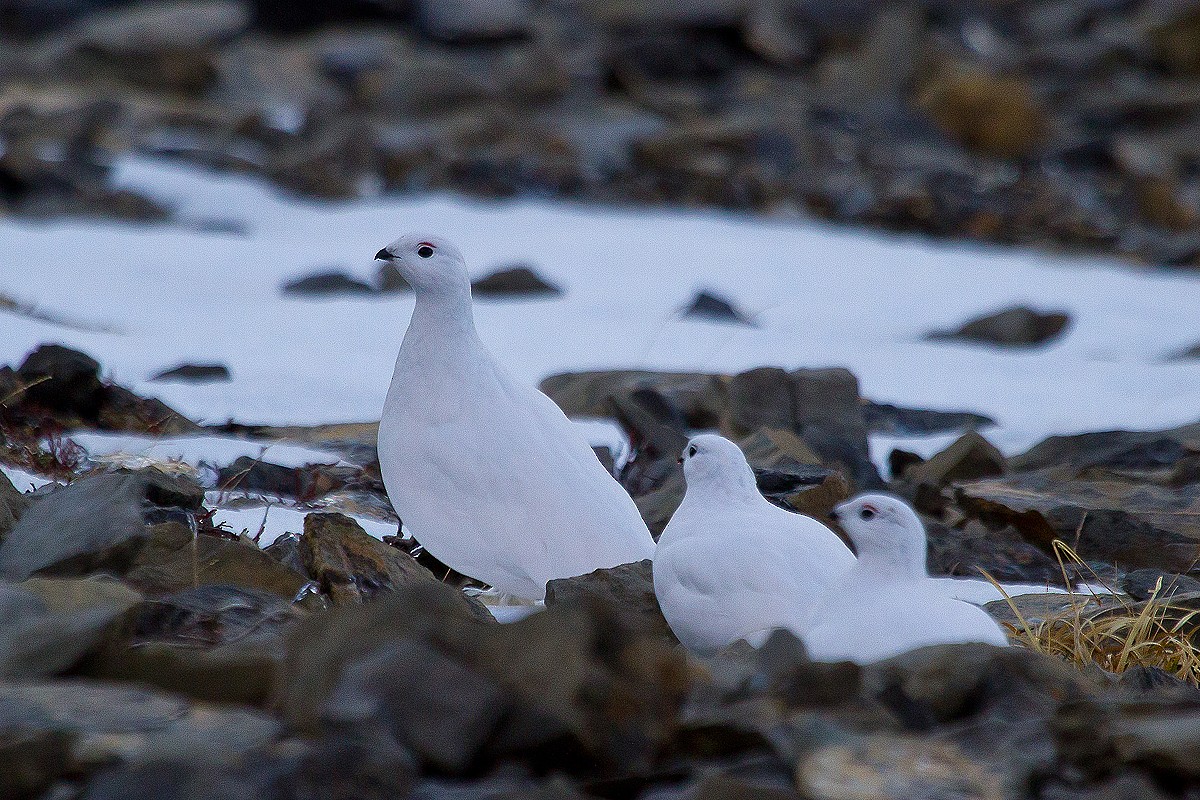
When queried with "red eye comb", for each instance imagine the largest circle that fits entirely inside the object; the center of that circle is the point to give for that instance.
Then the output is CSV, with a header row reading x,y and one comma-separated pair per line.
x,y
426,244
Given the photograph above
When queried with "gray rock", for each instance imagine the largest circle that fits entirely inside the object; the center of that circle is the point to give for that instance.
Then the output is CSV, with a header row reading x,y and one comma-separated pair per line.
x,y
1013,327
94,523
327,283
194,373
12,504
886,418
1140,584
51,623
62,379
446,724
1127,450
474,20
709,306
628,586
513,281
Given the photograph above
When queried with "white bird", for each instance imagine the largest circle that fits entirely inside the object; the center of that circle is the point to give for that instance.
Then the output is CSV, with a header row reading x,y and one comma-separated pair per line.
x,y
887,604
729,563
487,472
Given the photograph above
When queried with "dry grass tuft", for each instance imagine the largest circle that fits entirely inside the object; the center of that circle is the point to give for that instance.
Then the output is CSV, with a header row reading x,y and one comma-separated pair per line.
x,y
1113,631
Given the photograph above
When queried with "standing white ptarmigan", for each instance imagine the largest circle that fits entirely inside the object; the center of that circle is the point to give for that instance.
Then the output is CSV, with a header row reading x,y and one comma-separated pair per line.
x,y
730,564
488,473
887,604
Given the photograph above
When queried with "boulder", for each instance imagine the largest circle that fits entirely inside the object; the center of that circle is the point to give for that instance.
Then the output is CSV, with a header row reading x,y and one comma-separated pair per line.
x,y
474,20
513,281
697,398
969,458
1012,327
164,46
62,379
353,567
1129,524
51,623
93,524
328,283
172,558
714,308
12,504
305,483
194,373
628,586
901,767
886,418
1144,451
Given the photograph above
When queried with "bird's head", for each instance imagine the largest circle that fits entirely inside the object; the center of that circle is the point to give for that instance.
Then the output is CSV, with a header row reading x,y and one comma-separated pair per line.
x,y
714,461
883,524
427,262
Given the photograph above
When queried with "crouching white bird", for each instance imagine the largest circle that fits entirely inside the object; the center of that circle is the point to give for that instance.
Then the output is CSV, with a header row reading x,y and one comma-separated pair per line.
x,y
729,563
486,472
887,604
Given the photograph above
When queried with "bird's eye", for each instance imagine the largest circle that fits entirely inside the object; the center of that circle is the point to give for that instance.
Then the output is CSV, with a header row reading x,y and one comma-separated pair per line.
x,y
692,450
867,513
425,251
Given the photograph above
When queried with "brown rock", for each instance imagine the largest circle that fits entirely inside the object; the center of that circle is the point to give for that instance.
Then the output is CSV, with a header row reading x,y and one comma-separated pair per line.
x,y
174,559
1012,327
969,458
350,565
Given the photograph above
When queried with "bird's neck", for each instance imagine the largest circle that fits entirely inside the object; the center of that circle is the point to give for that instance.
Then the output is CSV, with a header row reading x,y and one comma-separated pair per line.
x,y
877,566
732,486
442,317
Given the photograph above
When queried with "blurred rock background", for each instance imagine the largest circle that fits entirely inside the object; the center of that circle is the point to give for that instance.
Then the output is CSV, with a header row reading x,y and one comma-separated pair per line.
x,y
1064,125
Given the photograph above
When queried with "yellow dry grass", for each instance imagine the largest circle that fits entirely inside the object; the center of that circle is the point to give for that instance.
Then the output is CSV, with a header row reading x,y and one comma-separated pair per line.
x,y
1116,635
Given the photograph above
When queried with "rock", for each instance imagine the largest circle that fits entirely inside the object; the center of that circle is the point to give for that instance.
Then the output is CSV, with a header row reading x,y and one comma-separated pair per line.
x,y
113,723
62,379
446,724
30,761
1141,584
215,643
1115,450
965,549
628,586
714,308
998,116
882,67
894,768
304,483
969,458
696,397
885,418
1187,353
12,504
194,373
167,46
351,566
775,33
474,20
326,284
325,645
1130,525
173,559
571,679
900,461
51,623
1013,327
511,281
122,410
93,524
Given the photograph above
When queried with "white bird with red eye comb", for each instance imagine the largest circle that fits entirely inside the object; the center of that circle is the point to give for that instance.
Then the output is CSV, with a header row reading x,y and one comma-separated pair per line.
x,y
487,472
887,604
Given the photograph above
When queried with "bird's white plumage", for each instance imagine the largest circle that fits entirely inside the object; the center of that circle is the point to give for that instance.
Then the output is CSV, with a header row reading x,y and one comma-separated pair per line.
x,y
887,604
730,563
488,473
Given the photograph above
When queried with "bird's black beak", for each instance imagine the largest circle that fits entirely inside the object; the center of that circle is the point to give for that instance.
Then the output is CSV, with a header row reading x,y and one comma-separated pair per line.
x,y
384,255
679,460
833,515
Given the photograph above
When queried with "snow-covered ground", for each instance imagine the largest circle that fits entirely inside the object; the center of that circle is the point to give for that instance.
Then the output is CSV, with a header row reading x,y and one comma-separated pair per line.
x,y
821,296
